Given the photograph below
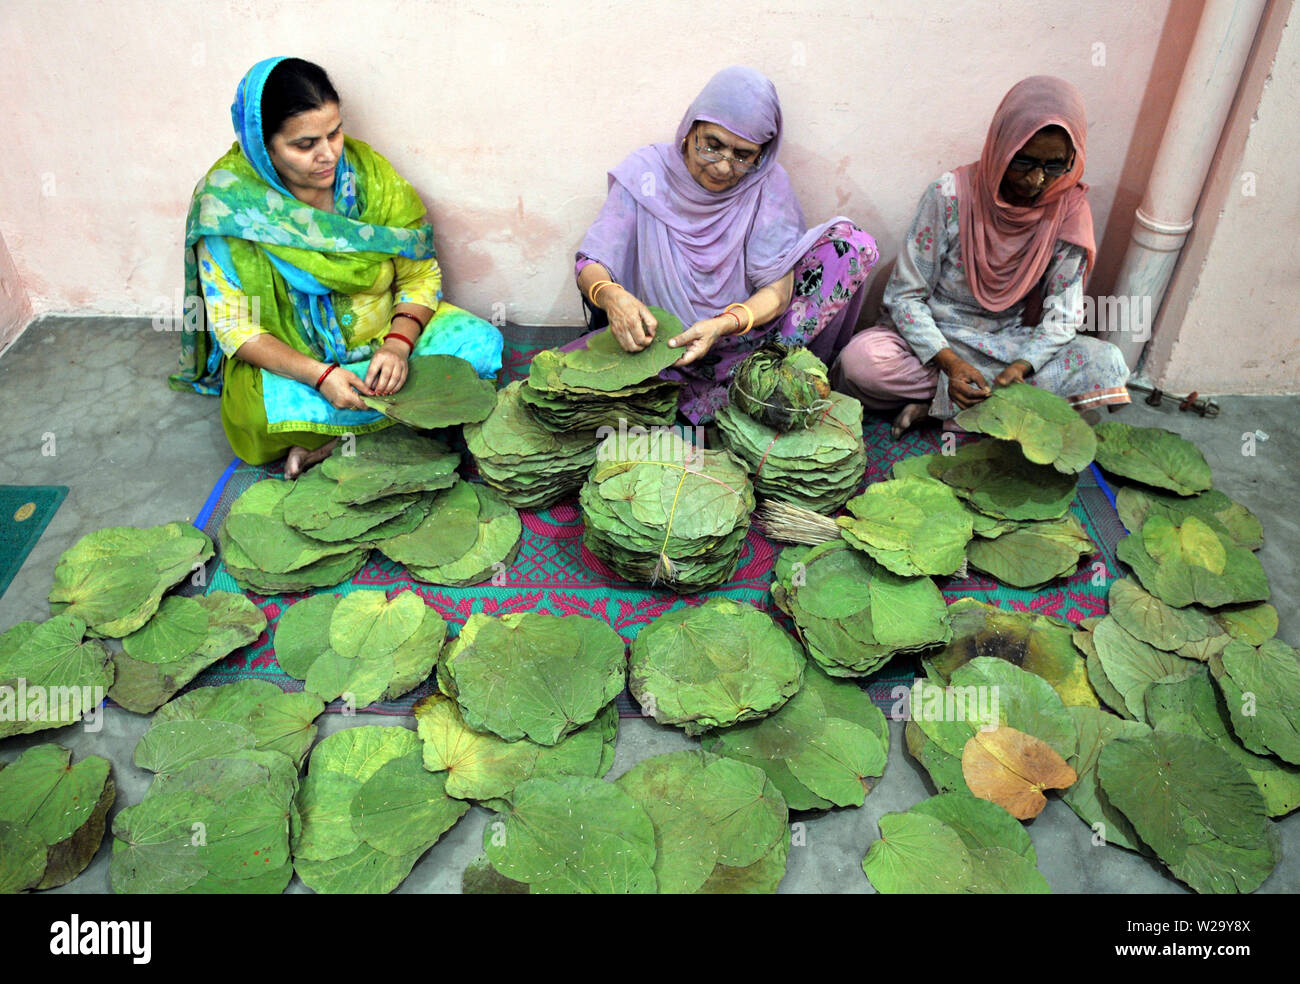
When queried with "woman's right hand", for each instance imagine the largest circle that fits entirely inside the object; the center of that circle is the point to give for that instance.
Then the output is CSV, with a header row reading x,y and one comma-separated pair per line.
x,y
630,320
341,388
966,384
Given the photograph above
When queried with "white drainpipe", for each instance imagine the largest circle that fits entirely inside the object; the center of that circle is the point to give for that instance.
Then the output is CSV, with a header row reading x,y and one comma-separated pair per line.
x,y
1165,217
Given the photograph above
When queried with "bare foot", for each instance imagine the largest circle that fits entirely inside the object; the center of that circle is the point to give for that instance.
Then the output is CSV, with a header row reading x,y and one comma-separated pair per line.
x,y
909,417
298,460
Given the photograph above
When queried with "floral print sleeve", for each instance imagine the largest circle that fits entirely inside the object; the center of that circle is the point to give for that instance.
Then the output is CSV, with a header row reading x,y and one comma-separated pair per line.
x,y
916,274
229,313
1062,306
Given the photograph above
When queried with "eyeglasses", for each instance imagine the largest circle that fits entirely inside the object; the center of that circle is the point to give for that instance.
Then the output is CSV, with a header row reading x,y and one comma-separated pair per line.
x,y
714,156
1023,164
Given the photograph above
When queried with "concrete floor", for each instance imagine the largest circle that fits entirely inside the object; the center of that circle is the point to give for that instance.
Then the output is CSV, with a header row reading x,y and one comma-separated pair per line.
x,y
133,452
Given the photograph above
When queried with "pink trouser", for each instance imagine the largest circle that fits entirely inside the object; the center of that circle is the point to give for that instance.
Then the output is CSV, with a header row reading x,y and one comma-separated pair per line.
x,y
880,369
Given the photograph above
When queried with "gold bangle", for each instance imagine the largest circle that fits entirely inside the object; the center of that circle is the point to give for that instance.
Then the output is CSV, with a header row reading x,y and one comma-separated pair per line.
x,y
748,314
594,291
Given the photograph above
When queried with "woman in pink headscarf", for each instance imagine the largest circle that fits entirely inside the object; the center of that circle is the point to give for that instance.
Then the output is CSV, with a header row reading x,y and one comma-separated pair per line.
x,y
989,286
710,221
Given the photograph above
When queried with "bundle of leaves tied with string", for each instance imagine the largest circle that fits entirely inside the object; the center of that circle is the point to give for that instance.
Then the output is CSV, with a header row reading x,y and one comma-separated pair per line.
x,y
658,510
784,387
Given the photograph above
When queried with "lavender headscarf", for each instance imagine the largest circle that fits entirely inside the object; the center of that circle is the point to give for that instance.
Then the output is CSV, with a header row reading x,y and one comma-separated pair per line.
x,y
693,251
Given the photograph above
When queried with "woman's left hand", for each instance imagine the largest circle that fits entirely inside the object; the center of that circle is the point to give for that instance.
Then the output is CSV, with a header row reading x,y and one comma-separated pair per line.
x,y
1014,373
699,338
388,368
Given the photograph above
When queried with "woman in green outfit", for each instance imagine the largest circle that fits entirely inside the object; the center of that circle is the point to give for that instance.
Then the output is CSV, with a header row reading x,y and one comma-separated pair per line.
x,y
317,275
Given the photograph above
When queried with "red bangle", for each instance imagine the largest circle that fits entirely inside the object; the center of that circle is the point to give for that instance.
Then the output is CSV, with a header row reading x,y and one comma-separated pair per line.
x,y
409,344
329,370
402,314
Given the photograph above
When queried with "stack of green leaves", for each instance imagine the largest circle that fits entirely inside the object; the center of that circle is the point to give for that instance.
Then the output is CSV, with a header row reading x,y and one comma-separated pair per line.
x,y
1037,643
784,388
713,665
996,479
824,747
1153,456
531,674
911,526
1188,562
1023,533
219,814
953,843
687,822
852,614
1227,518
469,534
390,462
818,466
184,637
52,816
657,510
263,553
368,810
362,647
530,466
440,391
996,730
1195,806
602,385
484,767
1048,430
114,579
50,675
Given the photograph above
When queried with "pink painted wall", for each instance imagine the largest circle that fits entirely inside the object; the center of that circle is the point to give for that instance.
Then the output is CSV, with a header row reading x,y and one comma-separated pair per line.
x,y
1228,324
15,307
506,115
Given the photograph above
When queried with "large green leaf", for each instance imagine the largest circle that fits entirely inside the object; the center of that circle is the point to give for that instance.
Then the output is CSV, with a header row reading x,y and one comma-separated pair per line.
x,y
532,674
950,845
1187,563
1261,687
256,535
61,805
1037,643
574,834
1152,456
1086,798
1191,706
1199,810
113,579
389,462
912,526
312,509
481,766
1048,430
852,614
996,478
231,621
497,533
1227,517
713,666
49,676
278,721
440,391
1132,666
1033,553
369,810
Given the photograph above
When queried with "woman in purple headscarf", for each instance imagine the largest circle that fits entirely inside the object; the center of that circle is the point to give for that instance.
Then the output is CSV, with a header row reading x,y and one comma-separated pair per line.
x,y
709,221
